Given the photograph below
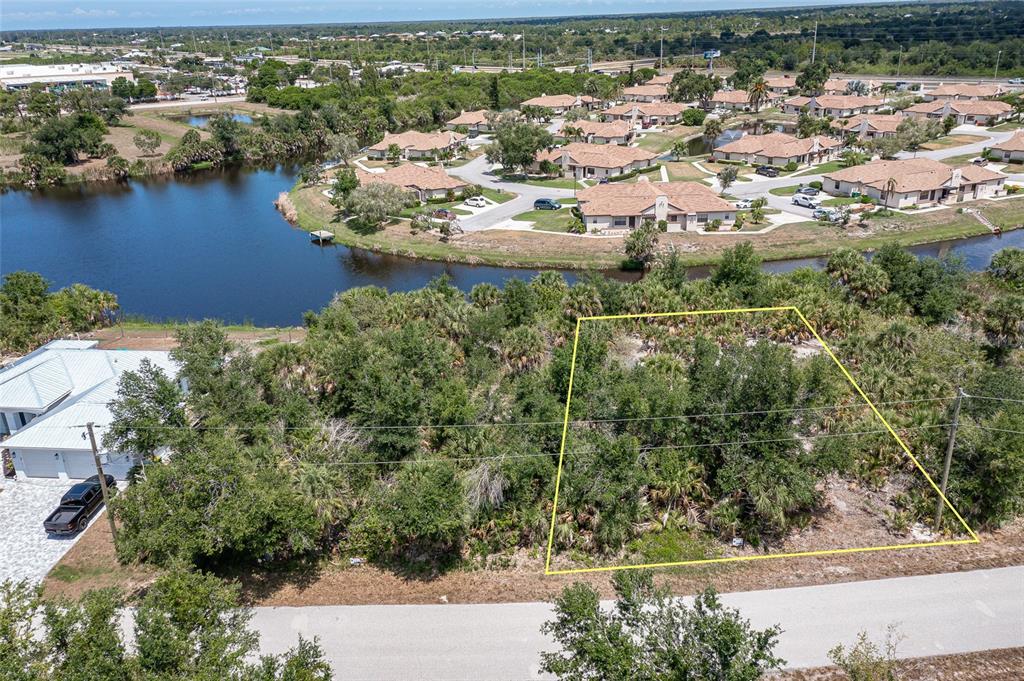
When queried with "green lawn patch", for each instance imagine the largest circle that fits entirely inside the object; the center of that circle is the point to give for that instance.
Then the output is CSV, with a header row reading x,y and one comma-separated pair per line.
x,y
1008,126
556,183
829,167
784,191
960,160
497,195
840,201
547,220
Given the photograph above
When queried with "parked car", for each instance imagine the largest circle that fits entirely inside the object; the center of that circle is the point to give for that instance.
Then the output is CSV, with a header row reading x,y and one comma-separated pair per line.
x,y
807,191
767,171
744,204
546,204
824,213
476,202
811,202
1016,81
979,161
77,506
445,214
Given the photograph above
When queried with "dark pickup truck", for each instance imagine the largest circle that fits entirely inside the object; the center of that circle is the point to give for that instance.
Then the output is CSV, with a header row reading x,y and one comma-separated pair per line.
x,y
77,505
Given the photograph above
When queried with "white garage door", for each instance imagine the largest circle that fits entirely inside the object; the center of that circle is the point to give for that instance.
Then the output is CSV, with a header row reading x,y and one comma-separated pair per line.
x,y
38,464
79,465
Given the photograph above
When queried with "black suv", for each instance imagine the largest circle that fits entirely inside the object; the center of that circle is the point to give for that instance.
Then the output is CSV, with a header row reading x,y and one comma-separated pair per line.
x,y
767,171
77,506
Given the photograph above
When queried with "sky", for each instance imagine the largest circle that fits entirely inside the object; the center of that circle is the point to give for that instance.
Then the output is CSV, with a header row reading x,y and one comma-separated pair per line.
x,y
50,14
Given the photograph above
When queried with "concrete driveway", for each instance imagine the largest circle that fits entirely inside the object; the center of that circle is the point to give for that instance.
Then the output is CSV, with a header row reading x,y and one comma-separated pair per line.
x,y
26,551
479,171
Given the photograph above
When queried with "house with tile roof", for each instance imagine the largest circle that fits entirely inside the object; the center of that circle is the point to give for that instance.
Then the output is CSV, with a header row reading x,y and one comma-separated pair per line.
x,y
739,100
779,149
781,85
963,91
599,132
841,86
48,396
596,161
425,182
645,93
474,121
620,207
661,79
1010,150
869,126
915,181
836,106
645,114
415,144
972,111
559,104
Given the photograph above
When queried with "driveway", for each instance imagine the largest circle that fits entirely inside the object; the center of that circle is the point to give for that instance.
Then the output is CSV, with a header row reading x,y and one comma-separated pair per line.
x,y
479,171
26,551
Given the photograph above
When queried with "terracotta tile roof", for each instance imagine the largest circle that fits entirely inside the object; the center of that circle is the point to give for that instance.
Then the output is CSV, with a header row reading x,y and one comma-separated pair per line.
x,y
470,118
559,101
731,97
412,176
842,84
663,79
1015,143
419,141
646,109
915,174
878,122
778,145
600,129
980,90
785,81
646,91
839,101
626,199
597,155
965,107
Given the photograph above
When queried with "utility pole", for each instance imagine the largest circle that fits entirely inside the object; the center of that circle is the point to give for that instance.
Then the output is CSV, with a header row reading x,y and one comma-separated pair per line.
x,y
524,50
103,480
899,62
661,53
814,45
995,74
949,457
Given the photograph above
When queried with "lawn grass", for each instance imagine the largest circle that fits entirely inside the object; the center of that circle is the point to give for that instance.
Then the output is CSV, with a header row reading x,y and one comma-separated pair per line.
x,y
555,183
960,160
718,167
952,141
829,167
1008,126
680,171
661,141
497,195
547,220
840,201
784,191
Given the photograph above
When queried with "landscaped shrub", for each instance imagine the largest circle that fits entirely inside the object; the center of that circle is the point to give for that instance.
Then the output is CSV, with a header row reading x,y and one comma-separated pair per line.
x,y
634,173
816,184
663,225
864,198
694,117
471,191
791,166
714,225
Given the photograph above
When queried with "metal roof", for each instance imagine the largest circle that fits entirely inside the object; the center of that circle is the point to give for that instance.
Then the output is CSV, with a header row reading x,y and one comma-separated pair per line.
x,y
35,388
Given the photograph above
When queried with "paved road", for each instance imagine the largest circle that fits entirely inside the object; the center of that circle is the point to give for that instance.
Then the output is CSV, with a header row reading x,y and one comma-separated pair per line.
x,y
937,614
187,102
478,171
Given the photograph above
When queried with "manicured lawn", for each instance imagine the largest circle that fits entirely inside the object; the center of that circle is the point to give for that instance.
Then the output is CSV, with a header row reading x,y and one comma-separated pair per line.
x,y
952,141
829,167
662,141
551,182
1009,125
962,159
840,201
718,167
450,205
680,170
784,191
497,195
547,220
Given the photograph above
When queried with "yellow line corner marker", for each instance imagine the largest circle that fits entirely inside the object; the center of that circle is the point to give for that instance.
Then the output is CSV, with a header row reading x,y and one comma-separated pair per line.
x,y
788,308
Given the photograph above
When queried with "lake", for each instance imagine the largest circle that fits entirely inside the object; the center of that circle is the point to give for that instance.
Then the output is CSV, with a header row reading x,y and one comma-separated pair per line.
x,y
203,120
213,245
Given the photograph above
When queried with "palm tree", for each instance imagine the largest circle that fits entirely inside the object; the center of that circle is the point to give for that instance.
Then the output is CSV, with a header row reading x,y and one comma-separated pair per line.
x,y
572,132
757,94
712,128
890,188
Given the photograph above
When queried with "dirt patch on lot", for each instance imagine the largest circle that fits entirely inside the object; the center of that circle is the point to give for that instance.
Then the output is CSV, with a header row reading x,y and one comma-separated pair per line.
x,y
992,665
163,338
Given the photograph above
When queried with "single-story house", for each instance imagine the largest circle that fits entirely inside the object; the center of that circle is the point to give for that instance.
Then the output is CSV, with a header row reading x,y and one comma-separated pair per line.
x,y
915,181
870,126
645,114
961,91
415,144
778,149
661,79
1010,150
781,85
976,111
425,182
600,132
645,93
841,86
559,104
625,206
596,161
48,396
738,100
474,121
836,106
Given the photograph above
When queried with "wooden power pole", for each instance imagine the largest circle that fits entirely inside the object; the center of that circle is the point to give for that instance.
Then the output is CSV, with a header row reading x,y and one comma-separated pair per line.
x,y
949,458
103,480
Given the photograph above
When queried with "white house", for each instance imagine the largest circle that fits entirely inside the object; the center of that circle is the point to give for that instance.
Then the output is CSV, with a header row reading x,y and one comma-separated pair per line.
x,y
915,182
684,206
48,396
1010,150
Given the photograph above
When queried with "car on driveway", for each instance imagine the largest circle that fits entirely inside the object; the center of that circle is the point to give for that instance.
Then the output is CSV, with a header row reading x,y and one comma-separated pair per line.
x,y
445,214
807,191
744,204
1016,81
767,171
546,204
476,202
806,201
77,506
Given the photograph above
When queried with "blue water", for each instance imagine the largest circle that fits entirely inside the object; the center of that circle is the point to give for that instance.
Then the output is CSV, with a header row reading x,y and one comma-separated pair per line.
x,y
203,120
213,245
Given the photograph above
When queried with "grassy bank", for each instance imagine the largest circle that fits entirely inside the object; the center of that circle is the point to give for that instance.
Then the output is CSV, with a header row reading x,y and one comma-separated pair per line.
x,y
539,248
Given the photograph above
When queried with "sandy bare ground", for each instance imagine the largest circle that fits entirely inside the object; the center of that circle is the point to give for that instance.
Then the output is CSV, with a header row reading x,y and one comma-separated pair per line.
x,y
163,338
988,665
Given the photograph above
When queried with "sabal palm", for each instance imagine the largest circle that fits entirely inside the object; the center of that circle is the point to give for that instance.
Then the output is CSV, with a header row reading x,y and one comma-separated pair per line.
x,y
758,94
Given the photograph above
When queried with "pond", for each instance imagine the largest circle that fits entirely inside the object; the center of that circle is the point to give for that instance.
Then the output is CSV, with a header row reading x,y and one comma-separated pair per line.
x,y
213,245
203,120
699,146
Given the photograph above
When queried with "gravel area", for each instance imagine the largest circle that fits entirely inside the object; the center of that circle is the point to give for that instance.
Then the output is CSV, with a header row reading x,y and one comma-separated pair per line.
x,y
26,552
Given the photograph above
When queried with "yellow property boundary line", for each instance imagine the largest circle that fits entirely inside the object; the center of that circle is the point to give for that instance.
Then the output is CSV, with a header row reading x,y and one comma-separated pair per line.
x,y
788,308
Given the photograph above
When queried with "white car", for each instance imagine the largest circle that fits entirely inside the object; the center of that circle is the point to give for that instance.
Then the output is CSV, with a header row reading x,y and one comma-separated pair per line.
x,y
804,201
744,204
476,202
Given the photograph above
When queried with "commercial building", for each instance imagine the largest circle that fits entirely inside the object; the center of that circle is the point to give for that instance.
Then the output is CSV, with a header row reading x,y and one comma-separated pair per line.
x,y
62,76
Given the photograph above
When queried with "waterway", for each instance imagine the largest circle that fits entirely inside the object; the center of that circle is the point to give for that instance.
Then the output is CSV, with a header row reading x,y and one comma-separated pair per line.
x,y
203,120
213,246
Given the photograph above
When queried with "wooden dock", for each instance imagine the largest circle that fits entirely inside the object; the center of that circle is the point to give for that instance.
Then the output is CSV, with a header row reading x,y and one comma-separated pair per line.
x,y
322,236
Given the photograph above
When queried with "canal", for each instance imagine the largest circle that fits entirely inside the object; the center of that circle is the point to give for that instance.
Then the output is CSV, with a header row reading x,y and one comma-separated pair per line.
x,y
212,245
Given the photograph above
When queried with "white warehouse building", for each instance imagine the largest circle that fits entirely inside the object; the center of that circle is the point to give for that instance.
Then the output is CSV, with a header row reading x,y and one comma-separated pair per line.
x,y
48,396
62,76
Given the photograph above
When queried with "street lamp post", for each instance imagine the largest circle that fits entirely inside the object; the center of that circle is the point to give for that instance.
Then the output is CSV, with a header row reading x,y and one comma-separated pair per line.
x,y
995,74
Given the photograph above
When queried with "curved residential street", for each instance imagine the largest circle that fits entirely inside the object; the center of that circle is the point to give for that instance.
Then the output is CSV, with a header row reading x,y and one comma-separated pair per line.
x,y
935,614
478,171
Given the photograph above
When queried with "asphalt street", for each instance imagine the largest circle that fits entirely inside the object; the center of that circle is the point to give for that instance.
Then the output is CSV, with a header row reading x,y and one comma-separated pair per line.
x,y
935,614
